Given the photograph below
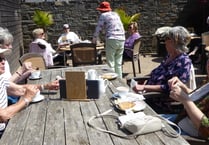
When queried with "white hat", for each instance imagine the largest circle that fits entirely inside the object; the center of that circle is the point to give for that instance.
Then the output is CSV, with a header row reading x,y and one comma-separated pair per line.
x,y
66,26
5,51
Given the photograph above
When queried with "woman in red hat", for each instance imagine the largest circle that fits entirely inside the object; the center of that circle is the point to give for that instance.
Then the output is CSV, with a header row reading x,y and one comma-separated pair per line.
x,y
114,36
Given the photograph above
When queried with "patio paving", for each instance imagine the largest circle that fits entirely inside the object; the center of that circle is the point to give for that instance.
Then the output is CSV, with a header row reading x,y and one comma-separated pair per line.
x,y
148,63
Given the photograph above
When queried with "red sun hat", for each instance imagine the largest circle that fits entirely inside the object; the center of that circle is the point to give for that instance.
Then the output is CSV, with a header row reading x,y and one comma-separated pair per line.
x,y
104,6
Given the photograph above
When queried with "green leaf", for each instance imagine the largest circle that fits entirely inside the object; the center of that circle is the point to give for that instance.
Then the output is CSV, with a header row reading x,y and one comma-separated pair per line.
x,y
42,19
126,19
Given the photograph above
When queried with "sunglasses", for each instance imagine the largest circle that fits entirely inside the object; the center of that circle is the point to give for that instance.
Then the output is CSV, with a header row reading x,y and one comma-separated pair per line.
x,y
167,38
2,58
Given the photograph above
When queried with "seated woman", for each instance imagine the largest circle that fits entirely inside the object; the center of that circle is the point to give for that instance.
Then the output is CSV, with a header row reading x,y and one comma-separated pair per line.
x,y
23,72
26,93
41,46
196,114
176,63
129,42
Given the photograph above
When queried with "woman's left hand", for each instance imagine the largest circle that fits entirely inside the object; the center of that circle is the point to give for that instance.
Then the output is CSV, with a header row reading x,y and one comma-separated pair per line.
x,y
178,94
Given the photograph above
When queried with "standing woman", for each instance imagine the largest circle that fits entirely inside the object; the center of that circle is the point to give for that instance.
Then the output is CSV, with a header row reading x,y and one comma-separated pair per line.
x,y
114,36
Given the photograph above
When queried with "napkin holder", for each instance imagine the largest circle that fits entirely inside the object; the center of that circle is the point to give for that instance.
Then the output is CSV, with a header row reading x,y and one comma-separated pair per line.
x,y
92,89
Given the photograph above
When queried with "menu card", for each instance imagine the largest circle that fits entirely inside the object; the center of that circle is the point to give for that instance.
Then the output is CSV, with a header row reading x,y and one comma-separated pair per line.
x,y
199,92
75,85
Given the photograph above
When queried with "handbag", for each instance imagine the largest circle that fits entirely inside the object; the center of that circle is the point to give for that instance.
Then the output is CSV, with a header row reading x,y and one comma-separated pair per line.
x,y
137,124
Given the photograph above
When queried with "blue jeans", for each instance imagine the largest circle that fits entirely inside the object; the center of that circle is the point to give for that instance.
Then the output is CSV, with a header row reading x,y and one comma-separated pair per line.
x,y
172,118
12,100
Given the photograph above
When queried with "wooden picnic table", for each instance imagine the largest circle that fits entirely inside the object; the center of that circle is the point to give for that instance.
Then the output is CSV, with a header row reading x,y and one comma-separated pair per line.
x,y
54,121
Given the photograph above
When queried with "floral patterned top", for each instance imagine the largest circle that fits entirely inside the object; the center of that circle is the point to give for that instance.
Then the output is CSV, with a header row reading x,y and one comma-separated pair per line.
x,y
179,67
111,23
129,43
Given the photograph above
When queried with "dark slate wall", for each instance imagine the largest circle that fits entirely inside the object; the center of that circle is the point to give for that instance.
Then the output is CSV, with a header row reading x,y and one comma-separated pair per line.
x,y
82,16
10,17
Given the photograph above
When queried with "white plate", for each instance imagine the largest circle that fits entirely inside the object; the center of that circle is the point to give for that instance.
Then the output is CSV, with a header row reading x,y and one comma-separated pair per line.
x,y
38,98
132,97
109,76
31,78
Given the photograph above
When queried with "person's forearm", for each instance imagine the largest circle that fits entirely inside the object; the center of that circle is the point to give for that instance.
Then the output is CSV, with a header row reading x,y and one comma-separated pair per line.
x,y
15,90
16,76
185,88
10,111
154,88
194,113
42,87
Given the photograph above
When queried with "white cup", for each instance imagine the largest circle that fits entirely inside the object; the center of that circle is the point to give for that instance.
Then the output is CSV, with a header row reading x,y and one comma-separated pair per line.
x,y
102,85
36,96
122,91
92,74
36,74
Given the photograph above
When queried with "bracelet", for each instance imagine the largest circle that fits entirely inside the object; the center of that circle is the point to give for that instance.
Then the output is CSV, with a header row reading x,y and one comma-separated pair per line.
x,y
42,87
144,90
27,102
18,73
143,87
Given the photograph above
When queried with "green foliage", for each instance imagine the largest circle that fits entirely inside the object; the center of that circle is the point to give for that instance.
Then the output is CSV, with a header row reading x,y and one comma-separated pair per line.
x,y
42,19
126,19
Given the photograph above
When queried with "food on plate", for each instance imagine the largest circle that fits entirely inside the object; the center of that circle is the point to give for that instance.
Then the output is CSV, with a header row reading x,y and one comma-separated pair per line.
x,y
126,105
109,76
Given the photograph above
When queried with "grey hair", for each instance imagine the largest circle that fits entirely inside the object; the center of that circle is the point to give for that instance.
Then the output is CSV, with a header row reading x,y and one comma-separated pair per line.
x,y
181,37
5,36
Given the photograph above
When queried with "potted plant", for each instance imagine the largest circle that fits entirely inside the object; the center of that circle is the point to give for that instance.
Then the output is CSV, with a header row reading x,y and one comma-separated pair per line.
x,y
126,19
43,19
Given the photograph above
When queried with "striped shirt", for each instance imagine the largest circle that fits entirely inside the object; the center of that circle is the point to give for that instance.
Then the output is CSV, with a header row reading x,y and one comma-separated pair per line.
x,y
3,97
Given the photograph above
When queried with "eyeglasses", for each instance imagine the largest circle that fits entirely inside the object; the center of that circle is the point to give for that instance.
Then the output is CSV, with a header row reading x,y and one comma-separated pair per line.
x,y
2,58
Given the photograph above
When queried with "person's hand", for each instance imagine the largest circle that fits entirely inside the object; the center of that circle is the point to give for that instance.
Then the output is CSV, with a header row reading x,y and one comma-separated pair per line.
x,y
54,85
175,81
26,69
138,88
178,94
26,66
30,92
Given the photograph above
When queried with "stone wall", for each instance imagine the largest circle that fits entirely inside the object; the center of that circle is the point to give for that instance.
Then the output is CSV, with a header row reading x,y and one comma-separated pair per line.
x,y
82,17
10,17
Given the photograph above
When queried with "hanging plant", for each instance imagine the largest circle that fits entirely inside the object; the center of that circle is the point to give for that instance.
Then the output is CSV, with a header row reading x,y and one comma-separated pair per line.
x,y
126,19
